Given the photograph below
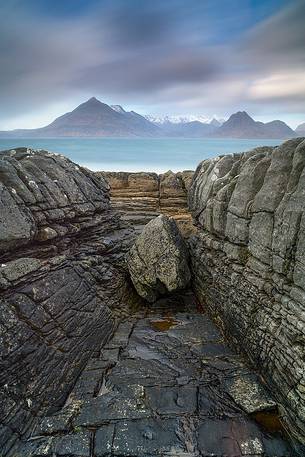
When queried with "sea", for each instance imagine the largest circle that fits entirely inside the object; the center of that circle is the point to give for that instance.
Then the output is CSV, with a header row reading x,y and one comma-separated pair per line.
x,y
139,154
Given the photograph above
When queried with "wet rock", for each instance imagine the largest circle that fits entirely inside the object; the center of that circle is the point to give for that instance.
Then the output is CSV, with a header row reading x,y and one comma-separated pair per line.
x,y
147,437
247,264
249,394
61,252
103,440
158,261
158,397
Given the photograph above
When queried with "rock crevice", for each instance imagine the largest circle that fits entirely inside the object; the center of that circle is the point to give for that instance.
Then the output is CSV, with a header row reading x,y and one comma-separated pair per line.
x,y
76,382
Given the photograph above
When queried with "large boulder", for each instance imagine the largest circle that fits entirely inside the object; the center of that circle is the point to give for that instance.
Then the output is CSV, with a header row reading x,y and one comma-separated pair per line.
x,y
158,261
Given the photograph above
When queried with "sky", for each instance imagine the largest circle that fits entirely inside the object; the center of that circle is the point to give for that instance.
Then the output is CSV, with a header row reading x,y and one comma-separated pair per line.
x,y
170,57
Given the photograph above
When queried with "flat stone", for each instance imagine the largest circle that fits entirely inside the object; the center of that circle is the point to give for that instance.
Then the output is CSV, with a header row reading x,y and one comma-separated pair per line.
x,y
172,400
110,407
103,440
249,393
230,438
77,444
149,437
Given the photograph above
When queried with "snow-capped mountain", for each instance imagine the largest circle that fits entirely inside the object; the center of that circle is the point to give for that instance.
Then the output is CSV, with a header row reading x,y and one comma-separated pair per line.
x,y
183,119
118,108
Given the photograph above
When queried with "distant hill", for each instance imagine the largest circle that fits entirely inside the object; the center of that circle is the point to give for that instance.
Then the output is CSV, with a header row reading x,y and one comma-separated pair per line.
x,y
241,125
189,126
92,119
300,130
96,119
183,119
193,129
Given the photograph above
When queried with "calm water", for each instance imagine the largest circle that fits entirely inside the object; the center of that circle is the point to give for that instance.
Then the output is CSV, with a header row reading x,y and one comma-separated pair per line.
x,y
159,155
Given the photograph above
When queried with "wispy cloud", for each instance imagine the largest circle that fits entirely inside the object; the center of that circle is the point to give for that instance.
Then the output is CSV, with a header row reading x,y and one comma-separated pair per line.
x,y
173,56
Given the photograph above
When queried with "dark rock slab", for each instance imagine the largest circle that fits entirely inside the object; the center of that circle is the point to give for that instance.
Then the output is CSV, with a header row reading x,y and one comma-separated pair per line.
x,y
147,438
61,255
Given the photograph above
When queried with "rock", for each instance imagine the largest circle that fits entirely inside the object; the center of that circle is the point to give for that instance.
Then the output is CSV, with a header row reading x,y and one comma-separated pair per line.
x,y
61,255
144,410
248,260
158,261
249,394
140,197
72,382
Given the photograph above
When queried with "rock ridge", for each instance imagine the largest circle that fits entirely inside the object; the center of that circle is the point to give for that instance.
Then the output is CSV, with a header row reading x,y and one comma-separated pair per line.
x,y
81,375
248,261
61,255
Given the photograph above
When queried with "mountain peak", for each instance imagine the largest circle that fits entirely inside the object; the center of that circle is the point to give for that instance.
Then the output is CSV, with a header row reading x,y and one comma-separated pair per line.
x,y
241,115
241,125
118,108
300,129
92,101
93,105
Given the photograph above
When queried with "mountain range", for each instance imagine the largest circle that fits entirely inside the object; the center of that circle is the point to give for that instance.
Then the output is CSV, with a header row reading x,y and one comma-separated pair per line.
x,y
300,130
96,119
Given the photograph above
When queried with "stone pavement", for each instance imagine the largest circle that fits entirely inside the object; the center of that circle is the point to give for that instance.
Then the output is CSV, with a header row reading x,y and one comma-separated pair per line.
x,y
166,384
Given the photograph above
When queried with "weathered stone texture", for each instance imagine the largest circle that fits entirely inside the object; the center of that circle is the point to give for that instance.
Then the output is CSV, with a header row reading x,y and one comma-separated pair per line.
x,y
139,197
61,250
248,261
158,260
162,386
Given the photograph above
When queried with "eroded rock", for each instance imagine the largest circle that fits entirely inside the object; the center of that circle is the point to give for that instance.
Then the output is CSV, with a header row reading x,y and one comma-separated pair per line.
x,y
248,261
158,260
61,252
140,197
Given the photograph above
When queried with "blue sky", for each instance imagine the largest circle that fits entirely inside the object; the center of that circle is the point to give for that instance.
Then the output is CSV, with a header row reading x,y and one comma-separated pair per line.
x,y
158,57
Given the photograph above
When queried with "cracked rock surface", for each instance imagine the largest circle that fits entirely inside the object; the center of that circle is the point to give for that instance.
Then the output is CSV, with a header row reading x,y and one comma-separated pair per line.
x,y
162,386
158,260
248,261
87,370
61,256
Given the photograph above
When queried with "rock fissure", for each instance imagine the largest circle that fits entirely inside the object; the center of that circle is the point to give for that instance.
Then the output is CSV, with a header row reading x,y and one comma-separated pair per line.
x,y
90,369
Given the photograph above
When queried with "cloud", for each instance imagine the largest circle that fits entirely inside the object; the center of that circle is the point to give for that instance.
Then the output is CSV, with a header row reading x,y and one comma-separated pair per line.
x,y
289,85
168,56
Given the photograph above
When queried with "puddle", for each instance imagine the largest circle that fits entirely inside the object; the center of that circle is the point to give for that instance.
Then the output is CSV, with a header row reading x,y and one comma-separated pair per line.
x,y
162,325
270,421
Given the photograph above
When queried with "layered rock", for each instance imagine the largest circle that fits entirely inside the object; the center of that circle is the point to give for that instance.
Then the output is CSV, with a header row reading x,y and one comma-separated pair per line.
x,y
158,260
140,197
61,251
248,261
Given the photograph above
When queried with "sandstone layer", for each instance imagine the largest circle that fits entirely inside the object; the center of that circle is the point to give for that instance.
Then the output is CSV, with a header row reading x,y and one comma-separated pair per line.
x,y
248,261
158,260
139,197
61,250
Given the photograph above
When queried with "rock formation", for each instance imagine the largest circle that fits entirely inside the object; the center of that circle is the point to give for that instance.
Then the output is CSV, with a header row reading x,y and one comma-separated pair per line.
x,y
139,197
61,250
158,260
88,369
248,261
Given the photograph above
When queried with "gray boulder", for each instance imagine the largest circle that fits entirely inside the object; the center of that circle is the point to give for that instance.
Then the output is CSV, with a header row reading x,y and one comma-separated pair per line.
x,y
158,261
